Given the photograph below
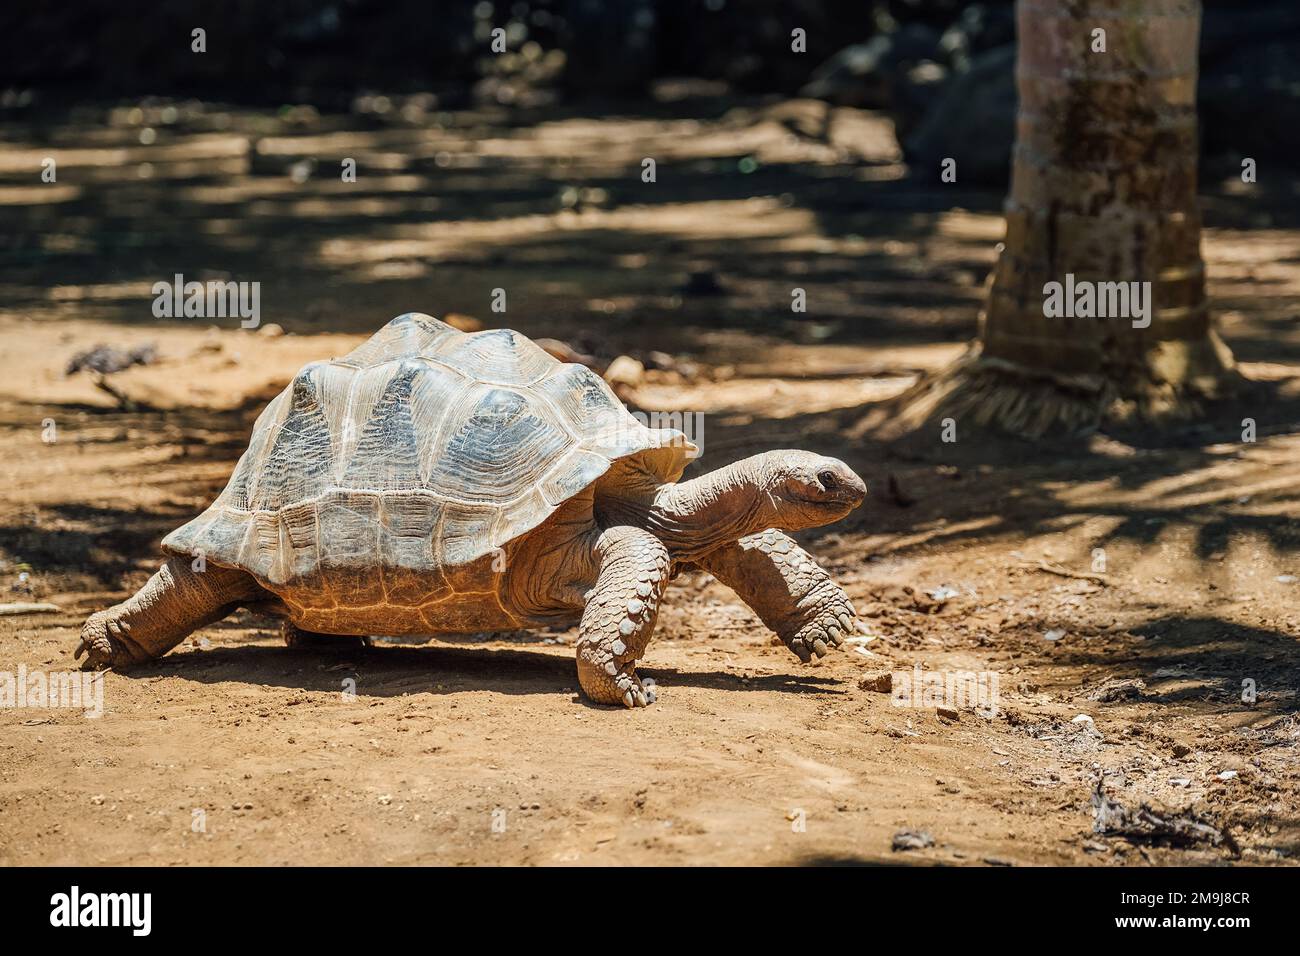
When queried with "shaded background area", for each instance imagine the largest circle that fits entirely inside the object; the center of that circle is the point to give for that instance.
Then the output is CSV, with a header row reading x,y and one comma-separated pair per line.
x,y
478,170
942,69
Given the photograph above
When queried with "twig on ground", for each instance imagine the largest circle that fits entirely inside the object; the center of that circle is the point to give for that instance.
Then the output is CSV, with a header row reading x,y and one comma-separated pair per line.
x,y
1064,572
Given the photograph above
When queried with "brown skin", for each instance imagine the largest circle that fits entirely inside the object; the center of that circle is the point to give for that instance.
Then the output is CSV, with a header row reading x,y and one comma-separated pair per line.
x,y
174,603
607,555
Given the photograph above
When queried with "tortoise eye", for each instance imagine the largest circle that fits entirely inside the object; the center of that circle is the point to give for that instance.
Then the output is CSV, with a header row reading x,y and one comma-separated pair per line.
x,y
828,479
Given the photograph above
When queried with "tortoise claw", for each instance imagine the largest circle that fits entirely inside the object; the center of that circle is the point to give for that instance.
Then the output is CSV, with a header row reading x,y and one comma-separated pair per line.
x,y
827,628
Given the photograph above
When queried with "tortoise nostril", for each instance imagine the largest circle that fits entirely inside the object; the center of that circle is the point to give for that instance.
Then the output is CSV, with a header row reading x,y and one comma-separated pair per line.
x,y
828,479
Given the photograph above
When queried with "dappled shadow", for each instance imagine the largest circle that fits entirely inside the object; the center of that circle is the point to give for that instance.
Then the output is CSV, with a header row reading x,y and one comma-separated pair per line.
x,y
554,210
1213,650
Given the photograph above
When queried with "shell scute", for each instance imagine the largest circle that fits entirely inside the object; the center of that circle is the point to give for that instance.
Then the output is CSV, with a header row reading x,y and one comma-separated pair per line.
x,y
497,357
494,449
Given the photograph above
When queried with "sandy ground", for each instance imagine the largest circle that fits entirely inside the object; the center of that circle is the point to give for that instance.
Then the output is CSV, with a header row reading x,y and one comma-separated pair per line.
x,y
234,749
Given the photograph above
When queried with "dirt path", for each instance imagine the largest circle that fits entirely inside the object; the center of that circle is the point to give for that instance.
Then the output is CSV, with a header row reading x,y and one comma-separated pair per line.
x,y
234,749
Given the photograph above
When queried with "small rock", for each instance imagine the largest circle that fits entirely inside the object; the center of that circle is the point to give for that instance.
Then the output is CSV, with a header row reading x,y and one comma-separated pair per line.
x,y
271,330
1055,634
625,371
661,360
949,714
912,840
877,683
1117,689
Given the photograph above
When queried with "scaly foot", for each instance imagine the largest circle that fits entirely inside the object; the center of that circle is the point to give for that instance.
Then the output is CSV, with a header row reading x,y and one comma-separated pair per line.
x,y
829,619
106,642
612,682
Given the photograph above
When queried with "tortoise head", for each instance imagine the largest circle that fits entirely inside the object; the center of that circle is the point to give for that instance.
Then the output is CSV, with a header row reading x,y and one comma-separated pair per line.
x,y
806,490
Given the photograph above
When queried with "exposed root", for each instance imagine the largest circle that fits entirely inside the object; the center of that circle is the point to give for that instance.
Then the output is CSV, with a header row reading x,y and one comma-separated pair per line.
x,y
1030,403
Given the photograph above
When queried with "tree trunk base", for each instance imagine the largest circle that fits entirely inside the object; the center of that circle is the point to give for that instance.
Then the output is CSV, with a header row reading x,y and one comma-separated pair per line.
x,y
1031,403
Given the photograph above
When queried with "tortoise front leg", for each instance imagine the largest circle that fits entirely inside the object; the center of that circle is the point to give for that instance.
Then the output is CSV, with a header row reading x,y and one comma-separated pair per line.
x,y
173,604
787,589
620,616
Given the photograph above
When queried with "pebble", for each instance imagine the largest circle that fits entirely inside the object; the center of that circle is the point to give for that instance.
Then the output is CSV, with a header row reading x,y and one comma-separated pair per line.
x,y
625,370
912,840
877,683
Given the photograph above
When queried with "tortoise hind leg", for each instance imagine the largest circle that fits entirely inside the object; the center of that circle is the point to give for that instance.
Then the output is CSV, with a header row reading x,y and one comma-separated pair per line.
x,y
301,640
174,603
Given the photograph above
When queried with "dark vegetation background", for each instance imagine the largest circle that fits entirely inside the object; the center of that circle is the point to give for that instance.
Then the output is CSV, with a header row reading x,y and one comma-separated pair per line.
x,y
942,68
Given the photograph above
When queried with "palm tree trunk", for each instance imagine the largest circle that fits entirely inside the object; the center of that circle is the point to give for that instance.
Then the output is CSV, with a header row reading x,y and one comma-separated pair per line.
x,y
1103,189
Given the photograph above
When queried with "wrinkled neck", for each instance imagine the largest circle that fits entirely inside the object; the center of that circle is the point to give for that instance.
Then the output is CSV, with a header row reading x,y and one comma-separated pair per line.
x,y
695,517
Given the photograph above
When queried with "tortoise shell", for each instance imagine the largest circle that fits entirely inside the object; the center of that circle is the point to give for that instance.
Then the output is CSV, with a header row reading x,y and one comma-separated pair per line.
x,y
423,450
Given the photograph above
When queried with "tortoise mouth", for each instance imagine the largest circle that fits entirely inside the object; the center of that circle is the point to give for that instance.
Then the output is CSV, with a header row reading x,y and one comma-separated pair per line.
x,y
836,497
830,509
